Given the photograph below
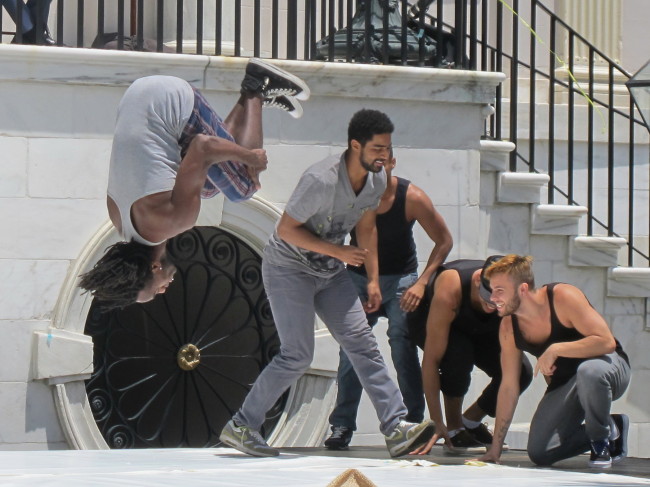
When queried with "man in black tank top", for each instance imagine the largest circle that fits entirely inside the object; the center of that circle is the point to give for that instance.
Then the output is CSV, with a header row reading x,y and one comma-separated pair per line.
x,y
459,328
402,204
584,365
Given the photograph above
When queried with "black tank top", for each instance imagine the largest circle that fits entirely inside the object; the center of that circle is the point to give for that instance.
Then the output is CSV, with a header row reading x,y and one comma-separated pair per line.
x,y
470,321
395,243
565,367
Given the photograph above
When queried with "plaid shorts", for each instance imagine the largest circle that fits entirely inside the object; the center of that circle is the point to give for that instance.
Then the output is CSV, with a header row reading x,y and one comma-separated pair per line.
x,y
229,177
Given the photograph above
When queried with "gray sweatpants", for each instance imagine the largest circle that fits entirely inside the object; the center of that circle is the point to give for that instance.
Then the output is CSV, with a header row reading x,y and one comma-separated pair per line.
x,y
557,430
294,297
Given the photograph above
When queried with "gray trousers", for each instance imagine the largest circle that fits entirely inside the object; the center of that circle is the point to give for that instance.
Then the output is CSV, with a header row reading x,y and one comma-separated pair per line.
x,y
557,430
294,297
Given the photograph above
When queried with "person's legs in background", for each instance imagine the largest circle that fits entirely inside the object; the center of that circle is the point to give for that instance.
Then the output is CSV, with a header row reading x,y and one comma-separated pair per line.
x,y
403,351
25,24
32,29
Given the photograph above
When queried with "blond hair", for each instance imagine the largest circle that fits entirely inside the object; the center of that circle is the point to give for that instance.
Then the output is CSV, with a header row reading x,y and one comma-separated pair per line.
x,y
517,267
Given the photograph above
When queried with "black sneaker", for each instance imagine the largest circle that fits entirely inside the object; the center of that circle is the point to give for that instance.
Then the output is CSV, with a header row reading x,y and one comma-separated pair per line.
x,y
618,444
481,434
339,439
464,442
271,81
600,456
284,102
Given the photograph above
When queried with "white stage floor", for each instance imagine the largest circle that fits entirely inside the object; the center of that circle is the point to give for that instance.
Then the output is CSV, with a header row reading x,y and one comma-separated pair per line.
x,y
227,467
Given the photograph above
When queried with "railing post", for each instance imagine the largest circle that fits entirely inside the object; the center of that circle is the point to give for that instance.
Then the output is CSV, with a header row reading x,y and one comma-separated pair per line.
x,y
551,114
257,26
570,121
590,146
275,23
199,26
292,29
331,29
160,25
610,156
179,26
460,29
514,74
499,68
80,23
237,28
630,184
532,91
473,34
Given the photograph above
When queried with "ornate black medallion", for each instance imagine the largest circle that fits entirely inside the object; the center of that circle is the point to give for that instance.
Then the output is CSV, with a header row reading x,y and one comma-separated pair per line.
x,y
171,372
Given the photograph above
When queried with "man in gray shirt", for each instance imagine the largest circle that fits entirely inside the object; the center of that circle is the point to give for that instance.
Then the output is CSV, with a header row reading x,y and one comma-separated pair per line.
x,y
304,273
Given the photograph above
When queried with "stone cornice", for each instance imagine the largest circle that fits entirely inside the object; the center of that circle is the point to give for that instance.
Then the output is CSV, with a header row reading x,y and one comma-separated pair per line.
x,y
219,73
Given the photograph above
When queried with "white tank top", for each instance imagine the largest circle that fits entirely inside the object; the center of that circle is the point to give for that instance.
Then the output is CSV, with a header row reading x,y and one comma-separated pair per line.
x,y
145,155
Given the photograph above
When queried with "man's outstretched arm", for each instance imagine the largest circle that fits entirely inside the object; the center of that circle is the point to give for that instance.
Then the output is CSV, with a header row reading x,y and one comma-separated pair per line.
x,y
508,395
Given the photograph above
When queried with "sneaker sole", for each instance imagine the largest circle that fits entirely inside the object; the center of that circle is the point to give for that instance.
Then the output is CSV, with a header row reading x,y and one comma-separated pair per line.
x,y
337,448
415,442
296,111
623,432
238,446
474,450
600,464
302,95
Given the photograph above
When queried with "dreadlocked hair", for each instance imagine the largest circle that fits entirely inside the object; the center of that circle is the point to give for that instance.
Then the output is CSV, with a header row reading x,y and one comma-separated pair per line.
x,y
118,277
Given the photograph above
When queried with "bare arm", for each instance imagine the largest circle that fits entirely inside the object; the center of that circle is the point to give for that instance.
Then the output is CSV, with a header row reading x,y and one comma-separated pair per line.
x,y
164,215
443,311
292,231
574,311
508,395
366,231
420,208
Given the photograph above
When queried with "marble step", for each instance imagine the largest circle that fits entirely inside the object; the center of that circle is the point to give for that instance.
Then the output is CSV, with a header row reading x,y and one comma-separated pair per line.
x,y
515,187
495,155
595,251
629,282
556,219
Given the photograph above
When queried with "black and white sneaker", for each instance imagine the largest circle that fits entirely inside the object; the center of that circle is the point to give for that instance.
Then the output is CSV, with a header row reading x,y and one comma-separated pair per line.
x,y
618,442
463,442
271,81
600,456
284,102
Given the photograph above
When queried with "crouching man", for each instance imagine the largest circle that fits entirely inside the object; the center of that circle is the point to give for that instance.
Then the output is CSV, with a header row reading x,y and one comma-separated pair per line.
x,y
585,367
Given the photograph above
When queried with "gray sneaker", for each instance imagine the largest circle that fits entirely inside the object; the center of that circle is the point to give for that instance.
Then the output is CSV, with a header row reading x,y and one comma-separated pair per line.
x,y
246,440
406,437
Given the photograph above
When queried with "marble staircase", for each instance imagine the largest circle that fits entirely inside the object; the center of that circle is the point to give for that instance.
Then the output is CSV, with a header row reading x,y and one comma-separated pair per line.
x,y
561,253
561,221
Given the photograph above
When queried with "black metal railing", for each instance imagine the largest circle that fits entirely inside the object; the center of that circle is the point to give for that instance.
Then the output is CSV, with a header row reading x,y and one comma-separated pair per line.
x,y
586,143
573,120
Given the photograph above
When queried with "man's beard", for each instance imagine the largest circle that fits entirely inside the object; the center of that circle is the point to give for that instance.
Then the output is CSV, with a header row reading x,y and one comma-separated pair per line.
x,y
512,306
369,167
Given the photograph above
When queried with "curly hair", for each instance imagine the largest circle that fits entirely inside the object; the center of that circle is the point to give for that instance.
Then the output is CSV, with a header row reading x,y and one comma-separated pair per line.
x,y
118,277
367,123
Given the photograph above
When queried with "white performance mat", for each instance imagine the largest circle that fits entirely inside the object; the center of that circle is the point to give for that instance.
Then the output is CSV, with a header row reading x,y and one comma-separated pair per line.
x,y
227,467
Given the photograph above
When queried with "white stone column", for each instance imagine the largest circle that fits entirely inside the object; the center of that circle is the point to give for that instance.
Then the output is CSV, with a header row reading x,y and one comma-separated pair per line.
x,y
599,21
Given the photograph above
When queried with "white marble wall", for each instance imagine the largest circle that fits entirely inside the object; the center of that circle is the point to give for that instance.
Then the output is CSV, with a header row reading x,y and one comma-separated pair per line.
x,y
57,109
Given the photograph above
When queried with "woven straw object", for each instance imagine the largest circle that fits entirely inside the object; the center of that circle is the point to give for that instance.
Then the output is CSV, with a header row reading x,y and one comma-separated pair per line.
x,y
351,478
